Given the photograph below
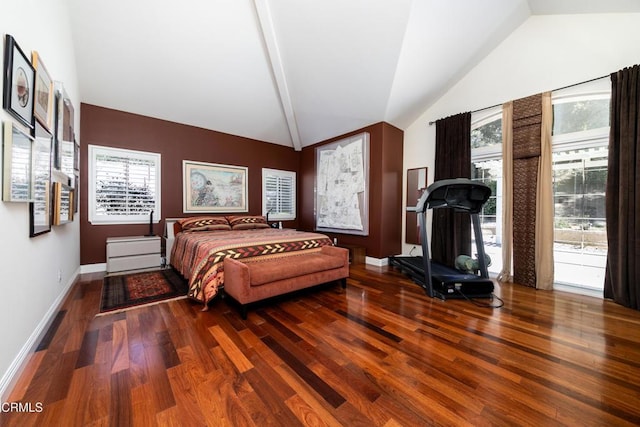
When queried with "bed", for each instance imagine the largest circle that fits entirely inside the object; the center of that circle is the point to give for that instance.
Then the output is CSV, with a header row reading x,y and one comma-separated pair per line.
x,y
197,247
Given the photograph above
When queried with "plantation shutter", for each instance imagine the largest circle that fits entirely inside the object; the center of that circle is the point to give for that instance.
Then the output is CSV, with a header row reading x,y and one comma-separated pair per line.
x,y
125,185
279,189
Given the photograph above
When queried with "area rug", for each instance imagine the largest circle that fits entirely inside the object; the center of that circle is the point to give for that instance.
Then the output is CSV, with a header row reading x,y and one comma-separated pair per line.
x,y
127,291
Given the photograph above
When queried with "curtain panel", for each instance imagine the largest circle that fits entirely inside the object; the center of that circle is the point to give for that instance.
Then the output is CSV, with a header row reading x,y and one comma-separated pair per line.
x,y
451,231
622,277
527,118
544,200
506,274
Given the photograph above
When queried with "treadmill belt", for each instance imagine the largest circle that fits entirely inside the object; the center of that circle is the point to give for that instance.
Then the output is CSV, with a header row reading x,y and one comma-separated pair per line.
x,y
442,272
447,282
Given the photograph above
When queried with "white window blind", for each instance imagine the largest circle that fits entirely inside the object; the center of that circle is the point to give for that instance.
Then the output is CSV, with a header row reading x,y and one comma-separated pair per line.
x,y
279,194
124,185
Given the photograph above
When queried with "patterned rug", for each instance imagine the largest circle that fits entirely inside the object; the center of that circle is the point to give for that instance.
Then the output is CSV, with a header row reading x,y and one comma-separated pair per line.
x,y
134,290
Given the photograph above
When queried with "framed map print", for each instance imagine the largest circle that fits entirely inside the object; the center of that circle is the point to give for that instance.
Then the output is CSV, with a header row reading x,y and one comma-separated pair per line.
x,y
209,187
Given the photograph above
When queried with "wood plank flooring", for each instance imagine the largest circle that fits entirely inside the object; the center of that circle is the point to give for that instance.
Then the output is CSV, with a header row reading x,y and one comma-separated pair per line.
x,y
379,353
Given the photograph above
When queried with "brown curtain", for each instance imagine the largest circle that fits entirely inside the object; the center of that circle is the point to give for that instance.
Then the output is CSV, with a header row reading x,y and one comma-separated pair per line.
x,y
451,231
622,279
527,118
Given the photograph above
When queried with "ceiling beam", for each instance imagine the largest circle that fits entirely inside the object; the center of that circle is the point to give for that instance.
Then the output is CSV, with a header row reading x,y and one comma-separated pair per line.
x,y
271,41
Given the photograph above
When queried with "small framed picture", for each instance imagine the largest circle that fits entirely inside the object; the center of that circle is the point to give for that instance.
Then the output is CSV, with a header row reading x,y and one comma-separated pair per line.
x,y
17,181
40,208
43,102
19,79
63,196
63,132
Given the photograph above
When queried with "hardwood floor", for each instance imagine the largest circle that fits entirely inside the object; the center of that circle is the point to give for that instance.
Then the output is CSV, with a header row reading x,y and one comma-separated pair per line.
x,y
379,353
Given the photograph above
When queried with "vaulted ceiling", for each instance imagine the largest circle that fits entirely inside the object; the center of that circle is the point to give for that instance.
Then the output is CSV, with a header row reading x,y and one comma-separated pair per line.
x,y
290,72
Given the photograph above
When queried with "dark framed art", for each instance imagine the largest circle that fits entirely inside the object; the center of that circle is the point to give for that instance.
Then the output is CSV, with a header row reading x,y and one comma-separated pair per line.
x,y
19,80
40,208
17,169
43,100
64,132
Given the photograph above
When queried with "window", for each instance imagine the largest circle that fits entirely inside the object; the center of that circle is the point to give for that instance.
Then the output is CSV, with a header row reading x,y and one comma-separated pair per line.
x,y
124,186
279,194
580,152
486,167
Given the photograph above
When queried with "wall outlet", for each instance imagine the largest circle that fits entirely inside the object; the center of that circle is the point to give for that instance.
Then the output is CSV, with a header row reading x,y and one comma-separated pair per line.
x,y
59,276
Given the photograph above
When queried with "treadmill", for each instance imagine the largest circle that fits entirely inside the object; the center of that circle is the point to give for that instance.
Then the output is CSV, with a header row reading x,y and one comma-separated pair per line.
x,y
438,280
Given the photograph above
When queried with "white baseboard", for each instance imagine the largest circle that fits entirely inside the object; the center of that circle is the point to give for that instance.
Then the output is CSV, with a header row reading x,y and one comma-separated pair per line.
x,y
378,262
10,377
93,268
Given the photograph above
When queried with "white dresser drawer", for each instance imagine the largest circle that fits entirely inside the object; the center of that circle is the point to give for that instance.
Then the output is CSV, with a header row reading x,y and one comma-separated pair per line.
x,y
122,246
134,262
133,253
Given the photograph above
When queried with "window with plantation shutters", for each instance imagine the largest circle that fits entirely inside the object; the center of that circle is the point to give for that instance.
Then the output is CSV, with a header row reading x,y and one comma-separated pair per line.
x,y
124,186
279,194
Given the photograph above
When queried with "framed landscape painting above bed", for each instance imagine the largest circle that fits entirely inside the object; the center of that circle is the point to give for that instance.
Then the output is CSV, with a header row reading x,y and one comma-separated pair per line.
x,y
214,188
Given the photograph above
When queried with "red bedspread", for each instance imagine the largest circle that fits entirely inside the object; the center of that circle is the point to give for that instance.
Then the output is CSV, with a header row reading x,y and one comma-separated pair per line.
x,y
199,256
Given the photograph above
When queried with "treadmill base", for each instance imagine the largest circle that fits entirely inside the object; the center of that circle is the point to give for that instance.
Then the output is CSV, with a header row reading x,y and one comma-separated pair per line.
x,y
447,283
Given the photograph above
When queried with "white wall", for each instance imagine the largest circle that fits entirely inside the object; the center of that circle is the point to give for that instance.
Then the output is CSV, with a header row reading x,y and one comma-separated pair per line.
x,y
29,287
544,53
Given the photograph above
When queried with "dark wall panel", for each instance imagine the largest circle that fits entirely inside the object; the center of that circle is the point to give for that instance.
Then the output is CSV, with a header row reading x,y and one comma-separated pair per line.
x,y
385,191
391,202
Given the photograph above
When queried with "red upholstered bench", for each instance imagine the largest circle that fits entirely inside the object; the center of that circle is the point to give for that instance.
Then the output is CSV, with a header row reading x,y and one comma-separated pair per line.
x,y
249,281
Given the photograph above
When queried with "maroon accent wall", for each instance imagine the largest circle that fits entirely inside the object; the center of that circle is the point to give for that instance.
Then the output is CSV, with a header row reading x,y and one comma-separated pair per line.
x,y
175,142
385,191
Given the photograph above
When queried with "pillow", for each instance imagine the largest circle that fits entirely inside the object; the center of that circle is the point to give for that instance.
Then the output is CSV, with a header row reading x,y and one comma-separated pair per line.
x,y
204,223
247,222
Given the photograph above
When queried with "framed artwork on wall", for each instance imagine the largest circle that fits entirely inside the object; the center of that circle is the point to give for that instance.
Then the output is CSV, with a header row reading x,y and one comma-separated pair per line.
x,y
342,186
64,130
19,79
43,100
76,190
76,155
210,187
63,203
67,157
17,177
40,208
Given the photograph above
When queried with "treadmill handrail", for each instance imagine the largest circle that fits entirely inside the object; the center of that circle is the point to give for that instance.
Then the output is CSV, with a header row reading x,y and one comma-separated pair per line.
x,y
461,194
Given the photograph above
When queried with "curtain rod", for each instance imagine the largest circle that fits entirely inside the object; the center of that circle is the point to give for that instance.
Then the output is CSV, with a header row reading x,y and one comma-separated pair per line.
x,y
560,88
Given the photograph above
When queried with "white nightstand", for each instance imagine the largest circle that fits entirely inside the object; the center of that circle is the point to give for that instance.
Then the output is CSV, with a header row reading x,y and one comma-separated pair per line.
x,y
133,253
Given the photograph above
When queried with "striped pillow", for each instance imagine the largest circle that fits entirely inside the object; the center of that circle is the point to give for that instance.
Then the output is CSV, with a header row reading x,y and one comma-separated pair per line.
x,y
204,223
247,222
